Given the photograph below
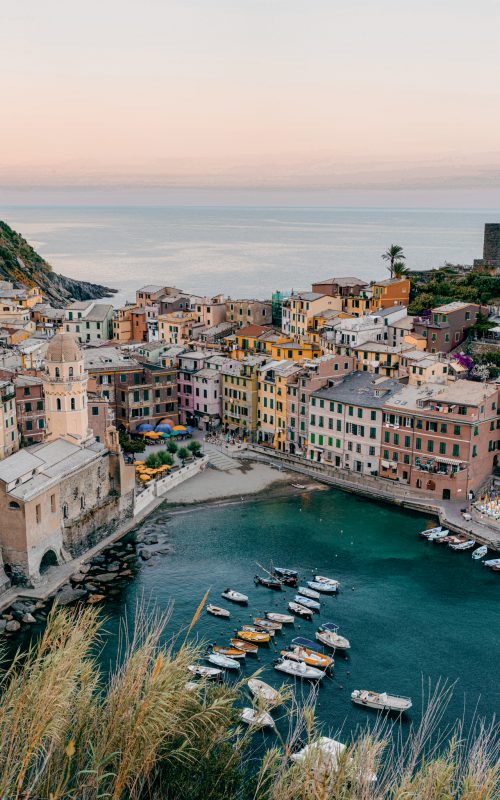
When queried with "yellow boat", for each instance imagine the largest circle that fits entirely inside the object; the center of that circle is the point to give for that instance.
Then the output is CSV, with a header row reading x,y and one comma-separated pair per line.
x,y
310,657
253,636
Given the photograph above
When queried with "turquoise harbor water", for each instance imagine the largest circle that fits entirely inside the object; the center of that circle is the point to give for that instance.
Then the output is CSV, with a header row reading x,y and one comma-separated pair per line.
x,y
413,611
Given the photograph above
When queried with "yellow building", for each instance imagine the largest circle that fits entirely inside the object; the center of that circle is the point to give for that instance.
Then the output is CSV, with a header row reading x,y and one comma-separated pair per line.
x,y
178,327
122,324
274,378
392,292
9,436
299,310
240,396
379,358
295,351
256,340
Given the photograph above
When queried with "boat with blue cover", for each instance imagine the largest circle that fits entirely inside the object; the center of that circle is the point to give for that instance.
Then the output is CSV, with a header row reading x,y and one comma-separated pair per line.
x,y
307,602
301,641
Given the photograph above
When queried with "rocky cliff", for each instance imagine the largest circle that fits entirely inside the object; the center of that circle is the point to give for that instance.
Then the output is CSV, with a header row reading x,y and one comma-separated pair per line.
x,y
19,263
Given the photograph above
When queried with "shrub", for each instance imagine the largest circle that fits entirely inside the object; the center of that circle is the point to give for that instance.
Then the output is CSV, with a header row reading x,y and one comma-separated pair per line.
x,y
153,461
172,447
194,446
183,453
166,458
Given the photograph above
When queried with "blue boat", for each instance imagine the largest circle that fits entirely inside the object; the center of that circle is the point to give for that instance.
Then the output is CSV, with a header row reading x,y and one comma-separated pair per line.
x,y
329,626
285,573
307,602
300,641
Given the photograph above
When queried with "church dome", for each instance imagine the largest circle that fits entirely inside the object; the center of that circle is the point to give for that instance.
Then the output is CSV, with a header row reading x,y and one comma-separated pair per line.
x,y
63,347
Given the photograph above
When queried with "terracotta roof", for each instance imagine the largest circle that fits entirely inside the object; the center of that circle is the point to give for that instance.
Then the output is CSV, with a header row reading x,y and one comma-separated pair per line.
x,y
253,330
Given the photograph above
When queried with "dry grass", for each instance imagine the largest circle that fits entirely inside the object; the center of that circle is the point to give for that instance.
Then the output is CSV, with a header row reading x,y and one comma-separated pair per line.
x,y
66,734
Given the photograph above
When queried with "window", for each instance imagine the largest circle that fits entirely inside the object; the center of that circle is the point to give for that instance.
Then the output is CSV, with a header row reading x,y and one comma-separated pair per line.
x,y
373,433
27,407
95,411
474,451
351,411
58,404
456,451
39,405
38,513
53,503
70,372
13,505
444,427
29,425
387,437
360,413
418,444
419,424
406,458
373,415
73,404
386,455
41,424
313,438
430,446
476,430
442,448
407,441
456,430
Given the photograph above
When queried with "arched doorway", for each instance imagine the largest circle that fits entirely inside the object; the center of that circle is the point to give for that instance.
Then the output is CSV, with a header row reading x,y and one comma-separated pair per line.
x,y
446,494
49,560
431,485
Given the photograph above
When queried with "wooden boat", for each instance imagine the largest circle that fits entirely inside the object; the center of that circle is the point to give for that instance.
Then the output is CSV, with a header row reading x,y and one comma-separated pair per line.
x,y
324,587
267,624
223,661
480,552
299,485
324,579
493,562
306,591
307,602
381,701
258,629
285,619
299,670
256,719
333,640
467,545
269,583
289,581
496,568
235,597
247,647
300,611
435,537
425,534
310,657
256,637
217,611
301,641
230,652
210,673
264,692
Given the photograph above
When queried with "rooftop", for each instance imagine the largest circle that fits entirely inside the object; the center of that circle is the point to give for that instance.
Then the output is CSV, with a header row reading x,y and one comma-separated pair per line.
x,y
464,393
343,281
108,358
253,330
389,281
449,308
362,389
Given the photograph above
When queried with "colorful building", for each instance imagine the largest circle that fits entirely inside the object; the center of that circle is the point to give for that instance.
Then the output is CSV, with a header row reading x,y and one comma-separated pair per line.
x,y
446,326
240,395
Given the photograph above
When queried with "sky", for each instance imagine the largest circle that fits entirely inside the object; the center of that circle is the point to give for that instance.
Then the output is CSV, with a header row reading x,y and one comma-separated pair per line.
x,y
251,95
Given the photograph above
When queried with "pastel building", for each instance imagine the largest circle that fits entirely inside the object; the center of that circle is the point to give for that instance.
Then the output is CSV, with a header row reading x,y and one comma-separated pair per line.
x,y
207,399
65,390
9,437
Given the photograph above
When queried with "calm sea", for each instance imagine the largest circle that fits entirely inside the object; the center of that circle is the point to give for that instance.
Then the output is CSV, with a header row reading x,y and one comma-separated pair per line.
x,y
241,251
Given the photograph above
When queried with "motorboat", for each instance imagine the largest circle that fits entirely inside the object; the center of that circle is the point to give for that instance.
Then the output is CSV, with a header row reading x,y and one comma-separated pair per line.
x,y
264,692
285,619
496,568
269,583
247,647
301,641
235,597
217,611
329,626
256,718
305,591
299,670
381,701
435,537
467,545
230,652
307,602
480,552
255,637
192,686
299,485
430,531
223,661
493,562
283,572
333,640
325,750
323,587
310,657
268,624
300,611
324,579
210,673
258,629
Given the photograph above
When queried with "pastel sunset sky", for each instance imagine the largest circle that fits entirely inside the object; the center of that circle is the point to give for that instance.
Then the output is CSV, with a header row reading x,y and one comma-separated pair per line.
x,y
251,93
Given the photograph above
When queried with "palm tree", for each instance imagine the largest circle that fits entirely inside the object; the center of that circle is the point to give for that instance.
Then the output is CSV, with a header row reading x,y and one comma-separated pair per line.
x,y
399,270
393,254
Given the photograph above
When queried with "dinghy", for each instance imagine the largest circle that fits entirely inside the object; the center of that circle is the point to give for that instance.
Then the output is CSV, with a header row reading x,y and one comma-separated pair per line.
x,y
381,701
325,587
300,611
333,640
247,647
480,552
258,629
230,652
223,661
217,611
269,583
282,572
253,636
323,579
467,545
268,624
285,619
310,657
305,591
307,602
264,692
493,562
210,673
300,641
425,534
235,597
299,670
323,756
435,537
256,719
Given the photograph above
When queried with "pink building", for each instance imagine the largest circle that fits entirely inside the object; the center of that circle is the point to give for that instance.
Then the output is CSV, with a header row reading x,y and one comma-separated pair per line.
x,y
189,364
207,384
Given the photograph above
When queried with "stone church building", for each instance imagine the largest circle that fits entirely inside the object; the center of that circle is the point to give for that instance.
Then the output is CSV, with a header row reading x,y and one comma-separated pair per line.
x,y
61,497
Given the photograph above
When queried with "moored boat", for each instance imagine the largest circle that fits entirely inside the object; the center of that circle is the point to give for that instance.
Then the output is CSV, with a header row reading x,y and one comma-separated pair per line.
x,y
306,591
324,587
285,619
326,750
247,647
264,692
310,657
268,624
307,602
381,701
434,537
258,629
256,718
230,652
217,611
210,673
283,572
299,610
332,639
235,597
301,641
480,552
299,670
425,534
256,637
467,545
324,579
223,661
269,583
493,562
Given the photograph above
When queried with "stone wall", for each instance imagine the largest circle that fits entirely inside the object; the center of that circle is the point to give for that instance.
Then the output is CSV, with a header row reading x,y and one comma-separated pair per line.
x,y
97,523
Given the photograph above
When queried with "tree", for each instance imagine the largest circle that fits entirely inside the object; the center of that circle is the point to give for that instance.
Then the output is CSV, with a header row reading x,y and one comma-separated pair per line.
x,y
393,254
166,458
129,445
183,453
153,461
194,446
172,447
399,270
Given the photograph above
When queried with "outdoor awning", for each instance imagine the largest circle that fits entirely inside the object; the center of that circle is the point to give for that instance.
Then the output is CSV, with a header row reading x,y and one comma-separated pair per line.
x,y
444,460
385,464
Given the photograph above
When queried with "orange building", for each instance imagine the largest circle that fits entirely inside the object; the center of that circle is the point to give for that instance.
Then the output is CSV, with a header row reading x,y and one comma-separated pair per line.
x,y
392,292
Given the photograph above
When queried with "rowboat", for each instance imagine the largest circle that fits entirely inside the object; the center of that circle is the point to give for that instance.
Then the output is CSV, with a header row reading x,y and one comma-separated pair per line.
x,y
204,672
282,572
493,562
325,750
299,610
425,534
230,652
299,670
307,602
310,657
289,580
480,552
256,718
264,692
285,619
268,624
305,591
323,579
269,583
381,701
223,661
258,629
435,537
334,640
257,637
467,545
247,647
301,641
235,597
217,611
326,587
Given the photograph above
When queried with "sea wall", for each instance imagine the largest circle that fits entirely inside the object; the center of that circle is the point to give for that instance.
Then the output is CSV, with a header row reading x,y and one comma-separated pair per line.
x,y
158,489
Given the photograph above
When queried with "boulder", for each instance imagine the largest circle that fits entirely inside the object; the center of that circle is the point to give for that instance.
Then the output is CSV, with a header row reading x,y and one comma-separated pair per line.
x,y
29,619
39,604
100,559
151,539
114,567
126,573
96,598
130,557
3,624
12,626
145,554
7,617
105,577
68,595
84,568
23,607
139,537
78,577
164,550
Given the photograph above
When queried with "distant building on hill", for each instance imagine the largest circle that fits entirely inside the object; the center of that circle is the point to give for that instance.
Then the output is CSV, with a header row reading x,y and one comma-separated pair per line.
x,y
491,247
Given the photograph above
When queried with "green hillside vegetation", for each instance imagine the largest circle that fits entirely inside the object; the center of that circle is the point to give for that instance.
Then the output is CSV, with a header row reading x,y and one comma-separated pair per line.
x,y
444,285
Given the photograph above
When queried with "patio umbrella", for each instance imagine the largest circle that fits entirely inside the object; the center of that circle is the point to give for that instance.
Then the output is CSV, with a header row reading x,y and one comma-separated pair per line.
x,y
180,428
165,435
144,427
167,421
189,429
163,428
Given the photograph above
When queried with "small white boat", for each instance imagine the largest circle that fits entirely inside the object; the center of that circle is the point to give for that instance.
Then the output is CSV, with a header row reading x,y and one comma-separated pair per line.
x,y
323,579
235,597
299,610
334,640
430,531
258,629
299,670
323,587
437,535
264,692
480,552
204,672
256,718
285,619
192,686
299,485
307,602
381,701
493,562
463,545
223,661
305,591
323,754
217,611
